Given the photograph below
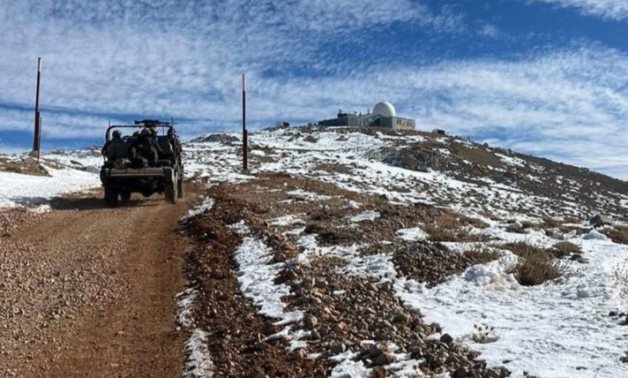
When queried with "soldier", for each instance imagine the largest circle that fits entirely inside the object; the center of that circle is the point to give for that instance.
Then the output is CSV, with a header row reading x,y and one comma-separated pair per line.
x,y
145,147
175,141
116,148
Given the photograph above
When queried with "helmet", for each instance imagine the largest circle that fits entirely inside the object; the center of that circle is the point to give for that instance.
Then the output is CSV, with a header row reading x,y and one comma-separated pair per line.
x,y
145,132
117,134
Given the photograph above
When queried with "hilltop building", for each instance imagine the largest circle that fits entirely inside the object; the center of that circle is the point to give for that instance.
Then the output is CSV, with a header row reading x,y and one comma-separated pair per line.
x,y
383,115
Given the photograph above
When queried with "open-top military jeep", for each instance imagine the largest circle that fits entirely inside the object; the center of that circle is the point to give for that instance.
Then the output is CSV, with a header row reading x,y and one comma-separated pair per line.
x,y
146,161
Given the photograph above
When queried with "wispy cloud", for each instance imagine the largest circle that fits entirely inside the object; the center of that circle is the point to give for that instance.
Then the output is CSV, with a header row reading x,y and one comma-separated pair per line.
x,y
178,58
611,9
113,60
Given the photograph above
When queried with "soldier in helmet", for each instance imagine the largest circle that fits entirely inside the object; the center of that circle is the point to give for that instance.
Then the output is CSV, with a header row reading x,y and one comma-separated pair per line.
x,y
176,144
116,148
145,148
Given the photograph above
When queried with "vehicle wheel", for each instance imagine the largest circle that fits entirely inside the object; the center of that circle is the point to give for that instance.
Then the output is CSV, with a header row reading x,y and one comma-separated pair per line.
x,y
125,196
111,196
180,188
170,190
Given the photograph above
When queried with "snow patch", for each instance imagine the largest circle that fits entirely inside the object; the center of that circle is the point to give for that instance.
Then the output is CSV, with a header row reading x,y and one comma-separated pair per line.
x,y
304,195
202,208
285,220
257,275
185,302
198,363
595,235
368,215
25,190
412,234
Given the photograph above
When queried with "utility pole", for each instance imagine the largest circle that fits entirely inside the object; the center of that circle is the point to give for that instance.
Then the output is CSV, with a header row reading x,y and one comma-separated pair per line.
x,y
37,132
245,134
41,122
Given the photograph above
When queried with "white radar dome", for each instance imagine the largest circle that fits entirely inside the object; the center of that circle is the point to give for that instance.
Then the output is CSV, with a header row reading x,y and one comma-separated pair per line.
x,y
385,109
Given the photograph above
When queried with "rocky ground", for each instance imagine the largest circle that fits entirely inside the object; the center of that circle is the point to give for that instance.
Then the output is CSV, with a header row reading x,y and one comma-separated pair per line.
x,y
345,314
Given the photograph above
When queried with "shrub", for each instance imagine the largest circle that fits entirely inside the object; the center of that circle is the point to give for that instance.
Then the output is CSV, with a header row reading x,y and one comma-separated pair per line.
x,y
481,255
448,227
523,249
535,266
565,248
617,234
536,270
549,222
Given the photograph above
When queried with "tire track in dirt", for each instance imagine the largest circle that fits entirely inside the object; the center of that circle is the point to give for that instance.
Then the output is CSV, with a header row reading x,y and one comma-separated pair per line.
x,y
89,291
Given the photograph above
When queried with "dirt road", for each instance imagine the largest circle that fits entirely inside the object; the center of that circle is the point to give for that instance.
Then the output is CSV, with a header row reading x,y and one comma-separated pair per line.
x,y
87,291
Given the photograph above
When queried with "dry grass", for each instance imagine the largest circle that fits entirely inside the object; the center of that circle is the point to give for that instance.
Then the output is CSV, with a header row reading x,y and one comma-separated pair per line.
x,y
618,234
26,166
549,222
482,255
571,220
536,270
535,266
450,227
478,156
565,248
523,249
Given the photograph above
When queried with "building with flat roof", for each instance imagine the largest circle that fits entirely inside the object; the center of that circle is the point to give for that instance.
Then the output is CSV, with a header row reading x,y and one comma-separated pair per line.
x,y
383,115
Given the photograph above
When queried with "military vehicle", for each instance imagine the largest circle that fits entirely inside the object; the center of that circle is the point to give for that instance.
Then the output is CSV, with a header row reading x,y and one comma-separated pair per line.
x,y
147,160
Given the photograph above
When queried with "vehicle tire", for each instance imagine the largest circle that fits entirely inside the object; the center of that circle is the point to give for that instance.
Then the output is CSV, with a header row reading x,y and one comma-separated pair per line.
x,y
170,190
111,196
180,187
125,196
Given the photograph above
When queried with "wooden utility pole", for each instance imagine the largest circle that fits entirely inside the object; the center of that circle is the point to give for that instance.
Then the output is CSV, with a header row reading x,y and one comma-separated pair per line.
x,y
245,134
37,132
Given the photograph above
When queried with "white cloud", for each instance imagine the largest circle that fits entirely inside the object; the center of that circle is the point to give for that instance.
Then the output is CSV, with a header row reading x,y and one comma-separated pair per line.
x,y
489,30
116,59
175,58
611,9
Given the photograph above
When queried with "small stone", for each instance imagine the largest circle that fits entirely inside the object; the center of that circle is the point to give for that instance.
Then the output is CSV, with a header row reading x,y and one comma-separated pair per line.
x,y
402,317
310,321
338,348
460,373
382,359
299,354
340,327
446,338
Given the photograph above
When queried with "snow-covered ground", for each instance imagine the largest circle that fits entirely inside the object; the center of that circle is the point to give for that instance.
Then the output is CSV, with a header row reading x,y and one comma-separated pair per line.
x,y
19,189
558,329
288,151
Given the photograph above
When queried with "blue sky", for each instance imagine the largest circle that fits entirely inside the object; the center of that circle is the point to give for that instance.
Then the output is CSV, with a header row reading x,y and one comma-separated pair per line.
x,y
546,77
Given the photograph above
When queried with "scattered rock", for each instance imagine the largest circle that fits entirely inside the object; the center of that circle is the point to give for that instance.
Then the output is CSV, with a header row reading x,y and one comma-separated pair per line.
x,y
310,321
446,338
